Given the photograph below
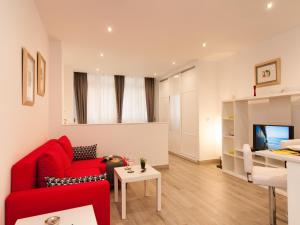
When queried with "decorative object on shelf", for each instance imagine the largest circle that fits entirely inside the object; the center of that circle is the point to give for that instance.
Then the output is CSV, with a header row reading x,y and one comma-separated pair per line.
x,y
54,220
268,73
28,76
41,74
143,164
254,90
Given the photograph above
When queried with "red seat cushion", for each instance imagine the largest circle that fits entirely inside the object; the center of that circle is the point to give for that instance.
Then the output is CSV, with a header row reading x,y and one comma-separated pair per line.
x,y
86,164
53,163
66,144
83,172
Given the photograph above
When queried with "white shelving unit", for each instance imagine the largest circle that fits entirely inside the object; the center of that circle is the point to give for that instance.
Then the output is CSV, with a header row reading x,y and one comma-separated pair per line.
x,y
239,115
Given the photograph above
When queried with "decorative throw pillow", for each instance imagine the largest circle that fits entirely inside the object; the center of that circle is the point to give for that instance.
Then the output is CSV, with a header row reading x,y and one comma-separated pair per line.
x,y
85,152
53,181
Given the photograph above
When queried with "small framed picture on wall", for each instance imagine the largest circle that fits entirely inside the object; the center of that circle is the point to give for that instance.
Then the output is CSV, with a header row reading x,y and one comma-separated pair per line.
x,y
41,75
268,73
28,78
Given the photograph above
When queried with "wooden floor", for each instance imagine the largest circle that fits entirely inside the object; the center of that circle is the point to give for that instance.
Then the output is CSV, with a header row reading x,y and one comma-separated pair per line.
x,y
197,195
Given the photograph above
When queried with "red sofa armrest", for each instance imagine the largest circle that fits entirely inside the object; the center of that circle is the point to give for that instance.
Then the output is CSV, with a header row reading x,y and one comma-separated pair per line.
x,y
34,202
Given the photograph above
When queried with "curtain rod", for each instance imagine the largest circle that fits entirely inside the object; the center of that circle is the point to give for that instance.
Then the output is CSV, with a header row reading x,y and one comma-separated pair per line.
x,y
182,71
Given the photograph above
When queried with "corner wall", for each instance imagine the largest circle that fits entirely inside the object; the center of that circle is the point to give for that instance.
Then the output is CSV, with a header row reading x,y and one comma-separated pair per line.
x,y
23,128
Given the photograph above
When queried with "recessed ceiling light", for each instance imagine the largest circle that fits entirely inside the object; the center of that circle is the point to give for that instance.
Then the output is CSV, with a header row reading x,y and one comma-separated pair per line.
x,y
270,5
101,54
176,76
109,29
204,45
155,74
97,69
173,63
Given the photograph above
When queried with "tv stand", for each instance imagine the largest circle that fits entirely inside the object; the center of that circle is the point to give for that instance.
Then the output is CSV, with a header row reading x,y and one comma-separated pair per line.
x,y
238,117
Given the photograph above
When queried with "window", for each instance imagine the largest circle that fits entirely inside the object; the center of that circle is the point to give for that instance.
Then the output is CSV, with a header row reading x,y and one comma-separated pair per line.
x,y
101,100
134,102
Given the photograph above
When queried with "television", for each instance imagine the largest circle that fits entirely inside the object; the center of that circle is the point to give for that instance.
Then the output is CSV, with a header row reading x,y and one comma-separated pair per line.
x,y
270,136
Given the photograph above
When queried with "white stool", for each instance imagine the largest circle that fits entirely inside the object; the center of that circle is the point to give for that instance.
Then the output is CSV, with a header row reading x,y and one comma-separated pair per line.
x,y
266,176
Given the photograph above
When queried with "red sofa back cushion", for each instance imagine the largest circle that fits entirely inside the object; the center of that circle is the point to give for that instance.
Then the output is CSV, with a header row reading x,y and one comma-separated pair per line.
x,y
66,144
54,163
24,174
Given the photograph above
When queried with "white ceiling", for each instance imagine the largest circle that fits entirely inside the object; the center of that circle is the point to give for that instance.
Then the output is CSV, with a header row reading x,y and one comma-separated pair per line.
x,y
148,35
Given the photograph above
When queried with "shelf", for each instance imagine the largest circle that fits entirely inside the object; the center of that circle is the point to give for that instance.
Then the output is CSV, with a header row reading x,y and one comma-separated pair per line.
x,y
228,154
275,95
228,119
239,157
228,136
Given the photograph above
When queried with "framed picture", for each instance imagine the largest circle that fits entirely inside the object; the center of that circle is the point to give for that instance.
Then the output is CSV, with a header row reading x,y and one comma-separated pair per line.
x,y
41,74
268,73
28,78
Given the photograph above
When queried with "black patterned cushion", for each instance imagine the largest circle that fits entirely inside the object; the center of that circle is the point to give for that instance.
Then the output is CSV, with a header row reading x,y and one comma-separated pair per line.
x,y
85,152
53,181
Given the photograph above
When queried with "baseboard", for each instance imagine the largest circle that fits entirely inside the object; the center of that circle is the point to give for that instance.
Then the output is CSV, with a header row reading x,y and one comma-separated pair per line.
x,y
183,157
161,167
209,161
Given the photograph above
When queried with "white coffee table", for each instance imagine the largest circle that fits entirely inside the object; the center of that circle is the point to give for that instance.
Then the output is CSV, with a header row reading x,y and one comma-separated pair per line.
x,y
150,174
76,216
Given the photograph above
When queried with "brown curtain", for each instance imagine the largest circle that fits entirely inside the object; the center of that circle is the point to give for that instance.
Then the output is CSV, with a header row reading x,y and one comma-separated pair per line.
x,y
80,91
119,89
149,88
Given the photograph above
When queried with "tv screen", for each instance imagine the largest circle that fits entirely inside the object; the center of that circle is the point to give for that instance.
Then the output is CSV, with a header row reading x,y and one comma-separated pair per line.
x,y
270,136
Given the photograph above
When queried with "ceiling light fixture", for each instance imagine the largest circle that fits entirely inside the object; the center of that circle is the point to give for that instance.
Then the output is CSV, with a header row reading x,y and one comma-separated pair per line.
x,y
176,76
173,63
270,5
155,74
204,45
97,69
101,54
109,29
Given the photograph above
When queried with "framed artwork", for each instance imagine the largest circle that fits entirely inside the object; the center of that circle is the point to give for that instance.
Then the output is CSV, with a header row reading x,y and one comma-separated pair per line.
x,y
28,78
41,74
268,73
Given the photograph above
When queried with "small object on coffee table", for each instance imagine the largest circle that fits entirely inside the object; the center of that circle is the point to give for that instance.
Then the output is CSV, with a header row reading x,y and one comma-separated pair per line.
x,y
130,171
143,163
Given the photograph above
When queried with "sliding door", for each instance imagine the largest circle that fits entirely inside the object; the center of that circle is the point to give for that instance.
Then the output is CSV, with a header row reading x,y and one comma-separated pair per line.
x,y
175,115
178,105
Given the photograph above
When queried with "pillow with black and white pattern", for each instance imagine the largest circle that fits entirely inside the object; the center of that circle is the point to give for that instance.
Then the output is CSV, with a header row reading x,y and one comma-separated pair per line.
x,y
85,152
53,181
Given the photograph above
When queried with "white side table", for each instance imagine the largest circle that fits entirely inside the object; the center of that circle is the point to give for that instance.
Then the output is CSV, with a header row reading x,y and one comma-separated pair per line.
x,y
121,174
75,216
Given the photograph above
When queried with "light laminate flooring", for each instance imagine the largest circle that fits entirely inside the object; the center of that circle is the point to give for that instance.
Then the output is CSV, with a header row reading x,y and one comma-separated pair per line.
x,y
197,195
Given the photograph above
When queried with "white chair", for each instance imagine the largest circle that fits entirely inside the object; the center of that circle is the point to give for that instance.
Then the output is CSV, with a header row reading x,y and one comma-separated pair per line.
x,y
266,176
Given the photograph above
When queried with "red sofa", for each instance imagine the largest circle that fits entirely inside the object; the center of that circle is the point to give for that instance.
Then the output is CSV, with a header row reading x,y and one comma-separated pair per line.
x,y
30,197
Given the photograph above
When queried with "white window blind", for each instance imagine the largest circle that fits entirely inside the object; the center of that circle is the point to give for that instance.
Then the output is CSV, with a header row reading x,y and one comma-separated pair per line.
x,y
134,102
101,100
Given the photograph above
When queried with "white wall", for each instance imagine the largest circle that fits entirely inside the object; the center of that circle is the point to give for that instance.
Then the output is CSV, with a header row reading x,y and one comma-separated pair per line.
x,y
68,95
236,74
22,128
209,116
